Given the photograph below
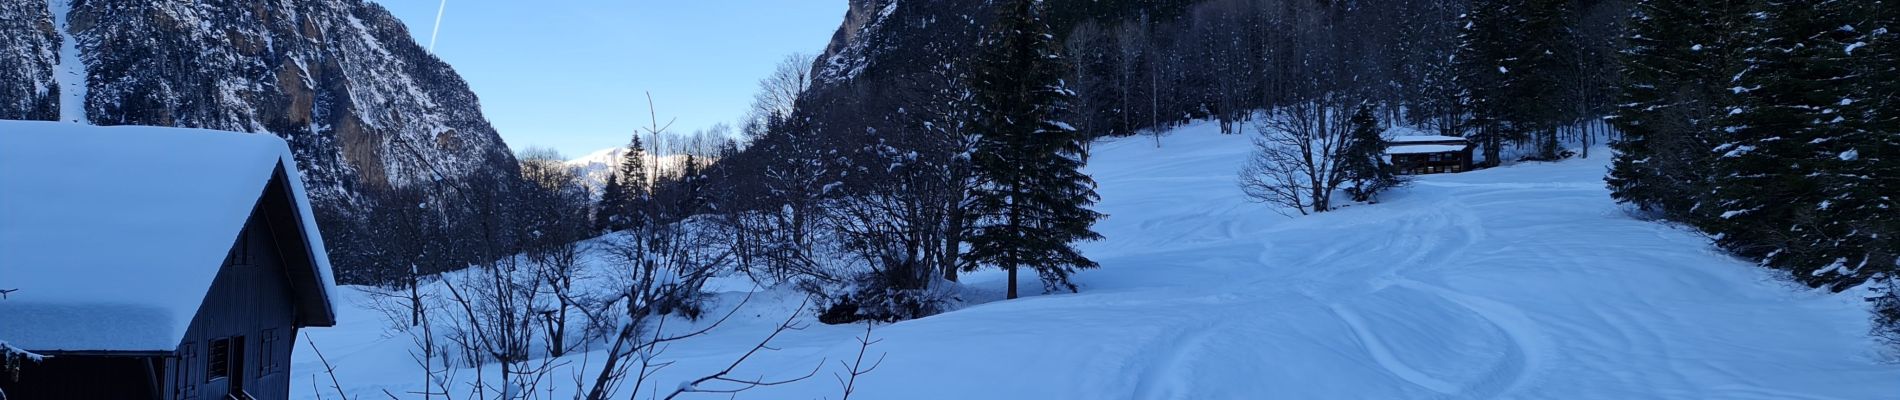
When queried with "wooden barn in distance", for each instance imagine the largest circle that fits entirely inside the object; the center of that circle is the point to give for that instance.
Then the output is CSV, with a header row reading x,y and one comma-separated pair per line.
x,y
1419,155
155,263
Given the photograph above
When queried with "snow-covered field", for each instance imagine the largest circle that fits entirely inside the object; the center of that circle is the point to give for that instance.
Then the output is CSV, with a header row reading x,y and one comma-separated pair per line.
x,y
1517,282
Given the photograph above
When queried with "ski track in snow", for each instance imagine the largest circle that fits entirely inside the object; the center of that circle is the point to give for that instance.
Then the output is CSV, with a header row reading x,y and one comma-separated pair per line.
x,y
1384,356
1517,282
70,75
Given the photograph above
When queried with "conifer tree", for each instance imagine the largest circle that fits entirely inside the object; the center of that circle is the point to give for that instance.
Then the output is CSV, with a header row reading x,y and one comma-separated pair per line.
x,y
1879,106
611,196
626,191
1680,58
1855,147
690,189
1484,72
1783,187
1033,199
1513,60
1363,159
1439,107
1546,64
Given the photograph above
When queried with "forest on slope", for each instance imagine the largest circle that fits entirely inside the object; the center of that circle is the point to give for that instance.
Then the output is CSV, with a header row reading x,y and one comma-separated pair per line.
x,y
1677,86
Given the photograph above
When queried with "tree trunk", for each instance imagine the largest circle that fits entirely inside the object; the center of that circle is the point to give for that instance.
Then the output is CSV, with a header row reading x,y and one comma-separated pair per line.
x,y
1015,223
415,299
1492,140
1154,99
1012,282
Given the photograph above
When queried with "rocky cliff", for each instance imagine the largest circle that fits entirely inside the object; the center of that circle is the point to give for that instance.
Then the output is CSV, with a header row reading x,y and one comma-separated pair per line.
x,y
363,106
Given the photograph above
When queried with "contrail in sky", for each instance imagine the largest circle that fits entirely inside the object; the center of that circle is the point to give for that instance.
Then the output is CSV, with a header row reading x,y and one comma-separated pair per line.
x,y
438,24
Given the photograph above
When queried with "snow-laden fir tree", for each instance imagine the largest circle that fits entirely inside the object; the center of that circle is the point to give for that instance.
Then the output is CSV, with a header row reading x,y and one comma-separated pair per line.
x,y
626,190
1679,60
1483,73
1547,63
1363,159
1855,146
1879,157
1790,189
1770,125
1513,60
1033,199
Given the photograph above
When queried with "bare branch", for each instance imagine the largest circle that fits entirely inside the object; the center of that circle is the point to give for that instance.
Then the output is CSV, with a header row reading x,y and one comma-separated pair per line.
x,y
327,368
790,324
856,368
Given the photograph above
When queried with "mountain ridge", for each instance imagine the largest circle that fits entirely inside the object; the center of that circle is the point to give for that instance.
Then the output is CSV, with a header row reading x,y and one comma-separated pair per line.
x,y
365,109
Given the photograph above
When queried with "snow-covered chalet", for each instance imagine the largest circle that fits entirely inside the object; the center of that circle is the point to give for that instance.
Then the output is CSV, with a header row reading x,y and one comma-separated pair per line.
x,y
155,263
1429,154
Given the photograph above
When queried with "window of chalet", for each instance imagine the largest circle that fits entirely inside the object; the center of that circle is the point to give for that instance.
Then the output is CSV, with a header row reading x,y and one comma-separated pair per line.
x,y
227,356
218,363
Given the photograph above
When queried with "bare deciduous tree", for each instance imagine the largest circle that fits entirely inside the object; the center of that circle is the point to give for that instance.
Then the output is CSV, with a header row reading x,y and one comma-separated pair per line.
x,y
1295,163
778,94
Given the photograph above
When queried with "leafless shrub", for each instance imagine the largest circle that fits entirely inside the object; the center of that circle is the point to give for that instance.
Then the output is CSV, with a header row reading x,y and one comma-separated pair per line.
x,y
1295,163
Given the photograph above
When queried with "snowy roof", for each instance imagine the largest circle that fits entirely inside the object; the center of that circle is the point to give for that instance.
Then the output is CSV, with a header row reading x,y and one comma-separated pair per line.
x,y
1425,138
1424,148
112,236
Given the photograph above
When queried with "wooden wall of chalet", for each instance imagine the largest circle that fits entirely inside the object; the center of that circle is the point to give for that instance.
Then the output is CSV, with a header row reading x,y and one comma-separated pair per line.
x,y
251,309
1433,163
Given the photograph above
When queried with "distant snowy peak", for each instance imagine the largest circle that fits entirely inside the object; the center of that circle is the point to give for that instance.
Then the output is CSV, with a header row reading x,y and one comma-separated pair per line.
x,y
594,167
602,157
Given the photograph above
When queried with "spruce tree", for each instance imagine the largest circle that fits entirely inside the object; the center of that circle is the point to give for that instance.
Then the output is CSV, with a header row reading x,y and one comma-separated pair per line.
x,y
1680,58
622,199
1879,106
1034,200
611,196
1363,159
1515,60
1440,107
1783,182
690,188
1484,72
1855,147
1548,59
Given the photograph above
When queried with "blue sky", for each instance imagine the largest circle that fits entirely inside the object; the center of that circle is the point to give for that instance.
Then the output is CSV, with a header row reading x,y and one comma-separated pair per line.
x,y
572,74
